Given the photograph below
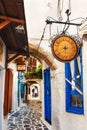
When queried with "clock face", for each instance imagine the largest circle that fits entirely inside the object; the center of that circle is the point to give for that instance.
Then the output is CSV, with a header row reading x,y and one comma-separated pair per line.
x,y
64,48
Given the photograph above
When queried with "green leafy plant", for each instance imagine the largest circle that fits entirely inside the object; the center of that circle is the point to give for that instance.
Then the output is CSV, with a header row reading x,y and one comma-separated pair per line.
x,y
37,73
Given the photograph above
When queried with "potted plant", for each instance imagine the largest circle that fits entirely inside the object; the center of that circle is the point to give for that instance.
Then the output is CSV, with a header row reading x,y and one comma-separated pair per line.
x,y
35,74
39,72
28,75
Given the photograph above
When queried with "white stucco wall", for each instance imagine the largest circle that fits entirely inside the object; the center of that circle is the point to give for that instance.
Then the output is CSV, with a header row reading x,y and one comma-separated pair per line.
x,y
15,85
85,76
2,84
58,95
60,118
36,14
2,79
2,63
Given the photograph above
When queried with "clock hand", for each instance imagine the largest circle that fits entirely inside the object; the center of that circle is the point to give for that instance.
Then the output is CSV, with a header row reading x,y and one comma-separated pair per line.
x,y
65,48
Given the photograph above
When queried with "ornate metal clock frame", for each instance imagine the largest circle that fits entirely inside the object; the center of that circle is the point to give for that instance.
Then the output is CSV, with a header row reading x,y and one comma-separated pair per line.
x,y
65,48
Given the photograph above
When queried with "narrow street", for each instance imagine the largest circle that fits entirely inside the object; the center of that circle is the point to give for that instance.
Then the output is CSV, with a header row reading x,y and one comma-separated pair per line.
x,y
27,117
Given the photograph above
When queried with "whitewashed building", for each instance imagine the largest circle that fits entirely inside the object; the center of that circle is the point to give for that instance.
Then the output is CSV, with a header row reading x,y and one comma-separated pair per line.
x,y
63,87
65,113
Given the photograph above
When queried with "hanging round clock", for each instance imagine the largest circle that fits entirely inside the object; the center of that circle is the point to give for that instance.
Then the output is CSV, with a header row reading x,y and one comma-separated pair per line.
x,y
64,48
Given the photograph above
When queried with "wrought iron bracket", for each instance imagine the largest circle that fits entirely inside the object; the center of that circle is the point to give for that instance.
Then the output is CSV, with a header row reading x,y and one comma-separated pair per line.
x,y
59,22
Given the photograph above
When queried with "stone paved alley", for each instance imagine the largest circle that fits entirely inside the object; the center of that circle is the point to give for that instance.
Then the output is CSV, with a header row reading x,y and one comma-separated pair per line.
x,y
27,118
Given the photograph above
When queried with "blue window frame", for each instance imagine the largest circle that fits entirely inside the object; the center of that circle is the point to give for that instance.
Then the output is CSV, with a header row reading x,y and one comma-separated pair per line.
x,y
74,85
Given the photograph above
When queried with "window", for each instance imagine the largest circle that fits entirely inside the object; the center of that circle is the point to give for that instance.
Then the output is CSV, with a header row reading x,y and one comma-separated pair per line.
x,y
74,85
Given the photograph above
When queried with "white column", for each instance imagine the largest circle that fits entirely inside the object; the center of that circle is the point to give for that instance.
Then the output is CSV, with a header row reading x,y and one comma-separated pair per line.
x,y
2,84
84,57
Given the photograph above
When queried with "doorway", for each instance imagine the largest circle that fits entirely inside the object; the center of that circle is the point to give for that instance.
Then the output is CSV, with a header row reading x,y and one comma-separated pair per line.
x,y
47,95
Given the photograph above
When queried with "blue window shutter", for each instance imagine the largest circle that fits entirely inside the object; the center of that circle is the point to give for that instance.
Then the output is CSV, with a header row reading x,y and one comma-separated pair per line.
x,y
68,86
68,76
77,77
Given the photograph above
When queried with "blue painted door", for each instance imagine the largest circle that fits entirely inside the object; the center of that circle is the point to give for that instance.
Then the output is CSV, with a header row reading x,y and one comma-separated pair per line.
x,y
47,95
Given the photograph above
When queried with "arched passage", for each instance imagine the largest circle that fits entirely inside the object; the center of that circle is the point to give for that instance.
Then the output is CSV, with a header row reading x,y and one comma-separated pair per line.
x,y
40,54
31,84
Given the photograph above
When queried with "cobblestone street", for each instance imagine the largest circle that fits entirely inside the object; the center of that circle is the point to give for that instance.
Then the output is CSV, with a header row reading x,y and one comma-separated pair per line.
x,y
27,118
